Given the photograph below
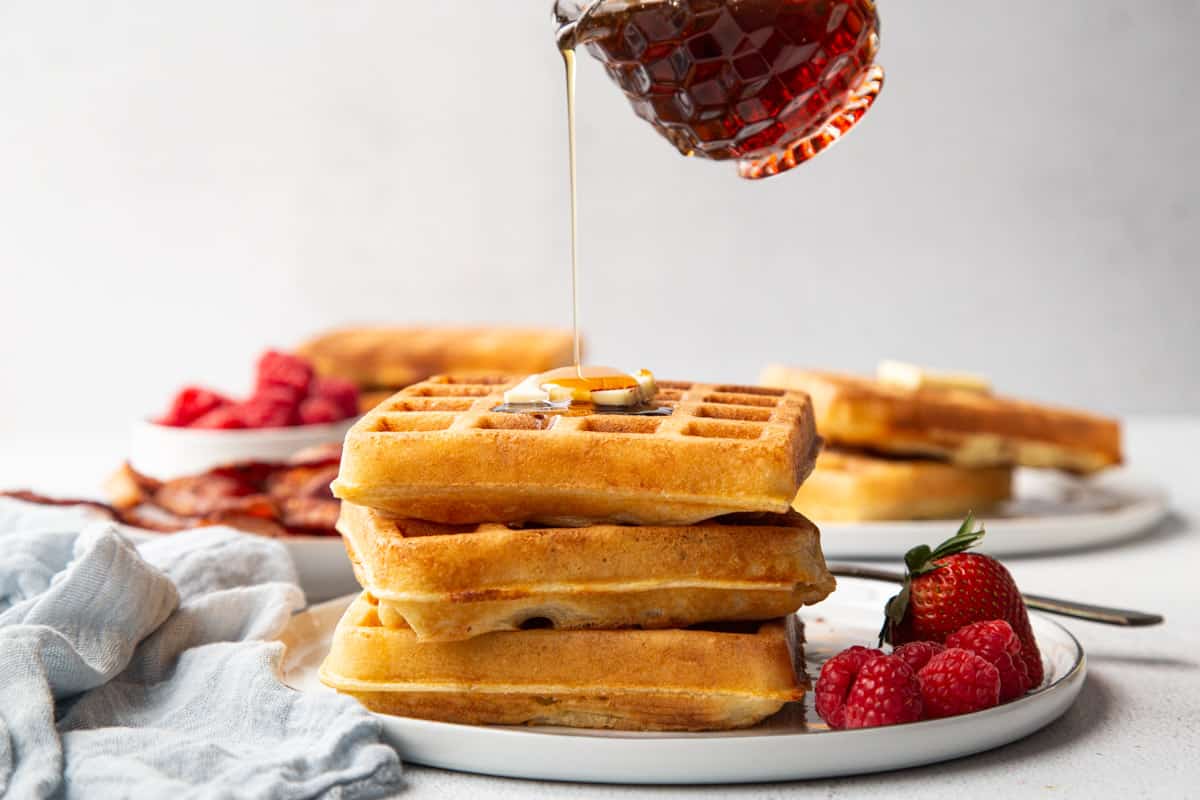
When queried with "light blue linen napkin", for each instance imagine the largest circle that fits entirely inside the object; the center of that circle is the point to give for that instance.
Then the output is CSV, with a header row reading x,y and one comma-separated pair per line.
x,y
151,670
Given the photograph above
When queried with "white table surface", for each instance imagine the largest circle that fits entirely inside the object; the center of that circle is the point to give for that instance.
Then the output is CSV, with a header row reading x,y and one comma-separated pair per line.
x,y
1134,732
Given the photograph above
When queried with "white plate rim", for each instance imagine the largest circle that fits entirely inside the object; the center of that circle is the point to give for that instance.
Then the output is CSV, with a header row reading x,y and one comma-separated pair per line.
x,y
1014,536
727,757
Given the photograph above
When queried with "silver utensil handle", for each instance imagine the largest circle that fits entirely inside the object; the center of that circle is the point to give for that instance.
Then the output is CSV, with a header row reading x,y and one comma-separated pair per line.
x,y
1051,605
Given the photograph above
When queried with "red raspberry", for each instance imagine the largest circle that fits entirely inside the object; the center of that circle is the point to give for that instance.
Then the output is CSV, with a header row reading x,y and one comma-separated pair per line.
x,y
276,369
319,410
223,418
270,407
917,654
886,692
957,681
342,392
996,641
836,681
190,404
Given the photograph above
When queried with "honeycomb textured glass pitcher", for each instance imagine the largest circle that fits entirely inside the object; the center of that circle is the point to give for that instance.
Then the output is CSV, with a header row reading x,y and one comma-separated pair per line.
x,y
765,83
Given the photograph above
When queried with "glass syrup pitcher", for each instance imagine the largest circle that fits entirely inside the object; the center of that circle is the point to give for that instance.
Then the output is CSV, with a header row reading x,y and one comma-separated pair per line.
x,y
766,83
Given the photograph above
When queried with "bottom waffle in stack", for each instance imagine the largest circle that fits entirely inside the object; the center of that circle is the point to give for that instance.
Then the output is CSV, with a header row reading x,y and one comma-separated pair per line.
x,y
643,625
610,626
703,678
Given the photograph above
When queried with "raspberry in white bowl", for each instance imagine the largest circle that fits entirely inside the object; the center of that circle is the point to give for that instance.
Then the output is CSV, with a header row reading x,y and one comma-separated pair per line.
x,y
291,409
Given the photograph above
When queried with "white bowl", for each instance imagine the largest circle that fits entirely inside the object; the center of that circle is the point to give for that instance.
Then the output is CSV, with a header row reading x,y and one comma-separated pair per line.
x,y
165,452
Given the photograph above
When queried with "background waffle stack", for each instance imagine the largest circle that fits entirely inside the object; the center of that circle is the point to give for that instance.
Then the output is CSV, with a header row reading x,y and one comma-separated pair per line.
x,y
381,359
936,447
602,570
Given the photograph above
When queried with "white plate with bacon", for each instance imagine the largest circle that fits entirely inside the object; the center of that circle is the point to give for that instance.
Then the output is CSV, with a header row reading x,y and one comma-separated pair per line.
x,y
287,500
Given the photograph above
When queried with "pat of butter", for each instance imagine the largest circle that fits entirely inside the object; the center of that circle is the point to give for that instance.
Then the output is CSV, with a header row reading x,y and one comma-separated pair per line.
x,y
646,384
631,396
559,394
910,376
527,391
644,392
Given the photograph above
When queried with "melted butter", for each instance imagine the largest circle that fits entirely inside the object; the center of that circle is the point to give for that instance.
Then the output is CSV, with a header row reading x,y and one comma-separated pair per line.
x,y
578,391
582,381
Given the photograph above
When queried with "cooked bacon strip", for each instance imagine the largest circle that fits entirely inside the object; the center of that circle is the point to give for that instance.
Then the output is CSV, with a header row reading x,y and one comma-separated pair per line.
x,y
317,456
258,497
154,518
302,482
42,500
208,494
248,523
311,513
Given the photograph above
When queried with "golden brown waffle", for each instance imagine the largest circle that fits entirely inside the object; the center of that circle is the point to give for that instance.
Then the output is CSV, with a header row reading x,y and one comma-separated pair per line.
x,y
857,486
436,451
967,428
371,398
392,357
453,582
729,676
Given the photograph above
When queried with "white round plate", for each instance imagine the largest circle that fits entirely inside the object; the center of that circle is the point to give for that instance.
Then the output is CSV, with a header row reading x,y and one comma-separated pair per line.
x,y
1051,512
784,747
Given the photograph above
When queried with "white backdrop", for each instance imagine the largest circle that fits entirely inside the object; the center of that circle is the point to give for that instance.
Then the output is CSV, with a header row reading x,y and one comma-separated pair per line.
x,y
182,184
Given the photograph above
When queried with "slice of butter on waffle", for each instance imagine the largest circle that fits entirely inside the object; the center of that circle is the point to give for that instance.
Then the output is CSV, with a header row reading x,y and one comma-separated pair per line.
x,y
910,376
527,391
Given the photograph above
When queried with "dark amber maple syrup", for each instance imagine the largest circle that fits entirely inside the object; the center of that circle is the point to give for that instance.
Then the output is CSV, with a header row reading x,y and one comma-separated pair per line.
x,y
589,379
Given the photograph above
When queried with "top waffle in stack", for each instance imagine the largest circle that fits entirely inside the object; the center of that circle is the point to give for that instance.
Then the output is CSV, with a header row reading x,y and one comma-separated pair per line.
x,y
437,451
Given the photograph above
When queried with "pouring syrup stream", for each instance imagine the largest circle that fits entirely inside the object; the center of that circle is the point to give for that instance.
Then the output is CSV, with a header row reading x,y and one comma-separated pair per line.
x,y
568,57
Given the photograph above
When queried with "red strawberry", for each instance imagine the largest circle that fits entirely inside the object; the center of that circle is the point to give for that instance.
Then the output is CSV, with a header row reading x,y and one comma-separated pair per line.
x,y
957,681
917,654
340,391
836,681
885,692
946,589
996,642
291,372
190,404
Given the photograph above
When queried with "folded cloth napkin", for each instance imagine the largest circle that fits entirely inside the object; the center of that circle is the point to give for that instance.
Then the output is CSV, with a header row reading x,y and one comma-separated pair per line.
x,y
151,670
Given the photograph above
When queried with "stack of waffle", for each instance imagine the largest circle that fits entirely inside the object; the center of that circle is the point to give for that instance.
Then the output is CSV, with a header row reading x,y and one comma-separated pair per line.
x,y
600,570
914,444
